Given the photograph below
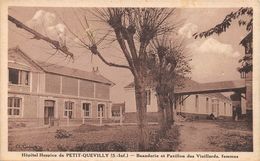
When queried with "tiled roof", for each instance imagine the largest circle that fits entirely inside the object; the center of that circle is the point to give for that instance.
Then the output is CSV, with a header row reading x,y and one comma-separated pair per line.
x,y
72,72
212,89
66,71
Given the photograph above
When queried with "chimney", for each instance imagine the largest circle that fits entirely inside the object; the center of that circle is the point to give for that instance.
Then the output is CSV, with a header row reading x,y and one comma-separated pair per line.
x,y
95,70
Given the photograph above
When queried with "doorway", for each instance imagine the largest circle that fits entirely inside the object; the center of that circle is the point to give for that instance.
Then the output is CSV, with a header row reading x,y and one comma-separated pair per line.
x,y
101,108
49,112
215,107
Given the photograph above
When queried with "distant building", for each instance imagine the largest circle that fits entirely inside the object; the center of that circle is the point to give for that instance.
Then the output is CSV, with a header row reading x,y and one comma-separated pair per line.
x,y
194,104
46,94
117,108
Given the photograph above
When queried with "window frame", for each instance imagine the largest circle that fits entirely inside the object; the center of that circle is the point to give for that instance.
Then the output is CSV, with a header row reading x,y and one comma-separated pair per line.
x,y
20,108
207,105
197,103
83,111
68,110
20,81
225,109
215,106
104,110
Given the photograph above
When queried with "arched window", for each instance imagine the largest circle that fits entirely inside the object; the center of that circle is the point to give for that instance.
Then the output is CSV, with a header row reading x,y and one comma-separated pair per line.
x,y
14,106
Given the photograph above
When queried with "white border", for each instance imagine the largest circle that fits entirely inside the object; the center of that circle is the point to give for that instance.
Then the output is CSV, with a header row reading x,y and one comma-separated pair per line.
x,y
5,155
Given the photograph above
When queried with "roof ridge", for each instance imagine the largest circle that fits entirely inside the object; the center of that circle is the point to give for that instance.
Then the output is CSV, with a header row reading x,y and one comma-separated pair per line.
x,y
76,70
62,66
18,49
91,76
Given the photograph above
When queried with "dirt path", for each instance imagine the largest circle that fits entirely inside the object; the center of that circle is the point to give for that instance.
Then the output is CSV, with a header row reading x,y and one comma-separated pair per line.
x,y
194,136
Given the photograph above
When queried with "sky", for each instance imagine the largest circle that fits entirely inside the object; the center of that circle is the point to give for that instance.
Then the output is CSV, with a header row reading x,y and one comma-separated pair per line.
x,y
213,59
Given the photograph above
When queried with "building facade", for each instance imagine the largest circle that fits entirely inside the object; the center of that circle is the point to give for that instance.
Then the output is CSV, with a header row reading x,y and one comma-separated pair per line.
x,y
196,104
247,73
46,94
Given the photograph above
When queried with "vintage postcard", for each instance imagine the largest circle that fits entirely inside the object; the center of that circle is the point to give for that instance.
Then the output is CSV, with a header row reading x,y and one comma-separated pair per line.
x,y
121,80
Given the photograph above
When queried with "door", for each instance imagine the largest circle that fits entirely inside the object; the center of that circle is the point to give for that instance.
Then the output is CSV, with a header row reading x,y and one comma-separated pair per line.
x,y
215,107
101,110
49,112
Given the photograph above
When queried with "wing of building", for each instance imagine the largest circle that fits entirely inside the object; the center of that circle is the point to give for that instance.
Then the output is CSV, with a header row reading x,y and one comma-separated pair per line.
x,y
192,103
47,94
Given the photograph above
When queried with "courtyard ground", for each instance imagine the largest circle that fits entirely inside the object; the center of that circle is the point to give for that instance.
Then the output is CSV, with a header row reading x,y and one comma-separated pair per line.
x,y
215,136
89,138
200,136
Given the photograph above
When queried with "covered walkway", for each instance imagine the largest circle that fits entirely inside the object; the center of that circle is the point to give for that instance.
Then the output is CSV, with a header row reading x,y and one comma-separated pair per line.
x,y
213,87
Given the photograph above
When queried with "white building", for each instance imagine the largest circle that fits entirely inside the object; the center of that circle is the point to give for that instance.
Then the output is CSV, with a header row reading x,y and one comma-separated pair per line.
x,y
196,104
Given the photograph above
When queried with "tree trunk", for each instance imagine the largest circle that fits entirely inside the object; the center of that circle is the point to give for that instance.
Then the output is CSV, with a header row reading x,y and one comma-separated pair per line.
x,y
171,99
161,115
141,114
168,115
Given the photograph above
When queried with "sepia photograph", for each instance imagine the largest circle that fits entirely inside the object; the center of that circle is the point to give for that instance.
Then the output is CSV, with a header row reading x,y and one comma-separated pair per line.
x,y
130,79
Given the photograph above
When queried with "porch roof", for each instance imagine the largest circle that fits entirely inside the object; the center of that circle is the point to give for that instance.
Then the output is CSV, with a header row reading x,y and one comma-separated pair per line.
x,y
213,87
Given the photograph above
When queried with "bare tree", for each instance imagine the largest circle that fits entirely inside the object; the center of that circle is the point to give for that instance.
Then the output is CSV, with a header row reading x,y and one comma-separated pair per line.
x,y
168,64
134,29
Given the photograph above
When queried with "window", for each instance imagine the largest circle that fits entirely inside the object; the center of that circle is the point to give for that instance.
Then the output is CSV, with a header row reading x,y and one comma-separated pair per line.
x,y
14,106
20,77
197,103
101,110
207,105
115,113
86,109
215,106
148,97
68,112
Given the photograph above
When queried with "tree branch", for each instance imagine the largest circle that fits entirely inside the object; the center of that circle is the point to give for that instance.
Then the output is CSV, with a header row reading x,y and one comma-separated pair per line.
x,y
124,48
225,24
38,36
94,50
56,44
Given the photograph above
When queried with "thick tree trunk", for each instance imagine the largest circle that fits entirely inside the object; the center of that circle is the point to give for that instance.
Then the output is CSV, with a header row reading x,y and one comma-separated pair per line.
x,y
168,115
161,115
141,114
171,99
